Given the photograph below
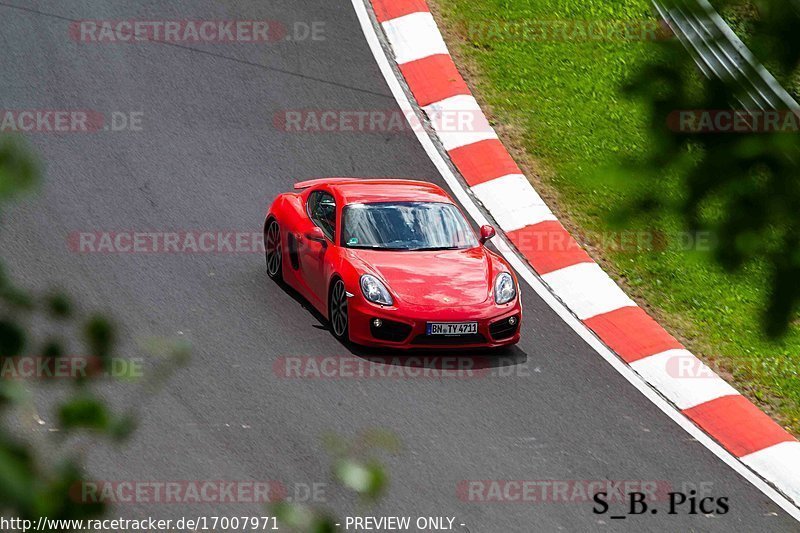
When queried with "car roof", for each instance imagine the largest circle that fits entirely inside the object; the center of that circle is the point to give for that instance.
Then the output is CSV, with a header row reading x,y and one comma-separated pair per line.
x,y
388,190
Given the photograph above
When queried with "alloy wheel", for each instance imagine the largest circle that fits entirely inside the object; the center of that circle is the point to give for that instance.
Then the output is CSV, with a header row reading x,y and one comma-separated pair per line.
x,y
272,245
338,310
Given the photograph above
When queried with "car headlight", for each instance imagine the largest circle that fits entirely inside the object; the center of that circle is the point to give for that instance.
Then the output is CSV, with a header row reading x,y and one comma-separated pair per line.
x,y
375,291
504,289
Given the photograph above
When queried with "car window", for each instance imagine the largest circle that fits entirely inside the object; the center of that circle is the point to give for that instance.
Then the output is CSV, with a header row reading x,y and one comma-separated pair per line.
x,y
322,211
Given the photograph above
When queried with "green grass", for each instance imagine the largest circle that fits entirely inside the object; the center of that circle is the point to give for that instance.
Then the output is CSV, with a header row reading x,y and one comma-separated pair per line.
x,y
560,107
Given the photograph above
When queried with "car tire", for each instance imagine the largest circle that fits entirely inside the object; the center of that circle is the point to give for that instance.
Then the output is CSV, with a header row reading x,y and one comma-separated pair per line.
x,y
338,315
273,252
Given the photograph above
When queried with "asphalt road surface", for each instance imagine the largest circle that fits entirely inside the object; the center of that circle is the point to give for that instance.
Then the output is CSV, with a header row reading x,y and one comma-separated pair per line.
x,y
208,157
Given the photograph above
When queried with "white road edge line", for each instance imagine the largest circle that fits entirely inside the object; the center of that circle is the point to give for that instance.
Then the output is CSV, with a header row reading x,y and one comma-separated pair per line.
x,y
544,293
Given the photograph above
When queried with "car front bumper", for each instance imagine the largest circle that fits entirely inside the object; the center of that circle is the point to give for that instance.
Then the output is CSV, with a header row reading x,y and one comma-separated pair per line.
x,y
405,327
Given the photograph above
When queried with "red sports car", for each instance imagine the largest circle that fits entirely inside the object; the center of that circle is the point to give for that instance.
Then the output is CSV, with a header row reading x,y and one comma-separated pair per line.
x,y
392,263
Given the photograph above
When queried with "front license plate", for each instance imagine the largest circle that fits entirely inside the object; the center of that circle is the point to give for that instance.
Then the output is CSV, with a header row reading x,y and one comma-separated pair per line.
x,y
452,328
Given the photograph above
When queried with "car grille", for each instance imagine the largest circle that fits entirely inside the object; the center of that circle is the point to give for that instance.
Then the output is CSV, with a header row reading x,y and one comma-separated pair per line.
x,y
503,330
390,331
454,340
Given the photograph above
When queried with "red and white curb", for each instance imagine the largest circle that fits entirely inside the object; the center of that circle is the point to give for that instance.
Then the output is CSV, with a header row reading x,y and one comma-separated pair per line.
x,y
495,180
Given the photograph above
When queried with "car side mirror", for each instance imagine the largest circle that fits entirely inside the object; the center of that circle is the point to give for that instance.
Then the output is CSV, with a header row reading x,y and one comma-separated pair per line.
x,y
316,235
487,232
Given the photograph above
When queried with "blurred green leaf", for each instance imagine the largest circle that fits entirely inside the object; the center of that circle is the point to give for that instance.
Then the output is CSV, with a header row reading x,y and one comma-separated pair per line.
x,y
16,473
12,392
84,412
16,298
60,496
335,444
52,349
367,479
59,306
382,438
122,428
297,517
19,170
12,339
99,334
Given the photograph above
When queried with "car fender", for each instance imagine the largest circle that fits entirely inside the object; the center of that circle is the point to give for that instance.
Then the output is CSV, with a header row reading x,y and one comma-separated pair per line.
x,y
341,266
285,208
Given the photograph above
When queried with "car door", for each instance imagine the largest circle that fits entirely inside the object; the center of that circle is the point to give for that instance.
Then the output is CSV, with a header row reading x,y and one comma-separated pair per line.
x,y
321,209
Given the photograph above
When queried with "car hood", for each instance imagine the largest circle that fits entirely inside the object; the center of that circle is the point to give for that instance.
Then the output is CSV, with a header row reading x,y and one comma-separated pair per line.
x,y
444,278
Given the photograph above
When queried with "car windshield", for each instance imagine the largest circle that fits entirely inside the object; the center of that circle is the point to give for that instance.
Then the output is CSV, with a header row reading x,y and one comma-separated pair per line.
x,y
411,226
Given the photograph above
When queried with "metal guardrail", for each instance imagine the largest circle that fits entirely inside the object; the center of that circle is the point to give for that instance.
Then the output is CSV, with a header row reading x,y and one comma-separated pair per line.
x,y
720,53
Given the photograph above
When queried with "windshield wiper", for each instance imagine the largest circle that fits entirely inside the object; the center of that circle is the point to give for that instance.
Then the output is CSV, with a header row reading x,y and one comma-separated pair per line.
x,y
435,248
403,249
388,248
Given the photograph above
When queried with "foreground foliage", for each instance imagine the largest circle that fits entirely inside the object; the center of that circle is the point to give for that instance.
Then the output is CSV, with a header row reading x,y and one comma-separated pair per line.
x,y
40,472
707,234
